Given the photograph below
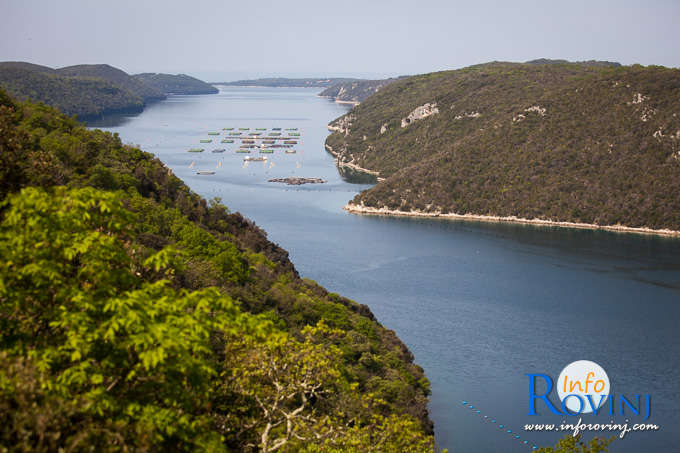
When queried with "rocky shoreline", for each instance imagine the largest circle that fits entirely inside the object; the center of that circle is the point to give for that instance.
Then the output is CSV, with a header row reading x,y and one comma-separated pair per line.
x,y
368,210
340,163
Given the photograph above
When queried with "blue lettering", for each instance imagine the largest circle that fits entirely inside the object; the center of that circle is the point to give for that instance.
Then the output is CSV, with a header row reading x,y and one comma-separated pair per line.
x,y
636,409
544,397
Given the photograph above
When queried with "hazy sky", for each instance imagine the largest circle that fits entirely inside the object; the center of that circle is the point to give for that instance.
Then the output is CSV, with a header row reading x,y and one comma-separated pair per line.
x,y
223,40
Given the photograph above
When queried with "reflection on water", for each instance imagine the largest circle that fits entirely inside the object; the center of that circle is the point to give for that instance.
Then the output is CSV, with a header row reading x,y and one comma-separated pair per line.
x,y
480,304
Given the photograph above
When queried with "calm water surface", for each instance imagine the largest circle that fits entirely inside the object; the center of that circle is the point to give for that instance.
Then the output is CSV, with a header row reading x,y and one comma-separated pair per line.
x,y
480,305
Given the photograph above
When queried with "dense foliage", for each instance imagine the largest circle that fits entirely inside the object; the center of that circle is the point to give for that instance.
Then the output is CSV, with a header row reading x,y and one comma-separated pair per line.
x,y
85,97
592,143
90,91
573,444
116,77
134,315
175,84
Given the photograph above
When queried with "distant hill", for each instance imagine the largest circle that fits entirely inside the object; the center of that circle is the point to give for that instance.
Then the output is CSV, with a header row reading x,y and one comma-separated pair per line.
x,y
355,91
587,143
90,91
176,84
285,82
115,76
612,64
85,97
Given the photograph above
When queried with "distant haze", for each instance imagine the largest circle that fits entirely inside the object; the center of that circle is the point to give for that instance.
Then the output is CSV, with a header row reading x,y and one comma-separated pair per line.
x,y
227,40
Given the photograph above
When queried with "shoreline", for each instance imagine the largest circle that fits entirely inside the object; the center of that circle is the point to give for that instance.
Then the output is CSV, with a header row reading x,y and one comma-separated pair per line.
x,y
354,103
351,165
367,210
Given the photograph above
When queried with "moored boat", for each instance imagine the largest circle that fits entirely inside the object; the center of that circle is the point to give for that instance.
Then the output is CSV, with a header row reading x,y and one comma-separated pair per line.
x,y
196,150
205,172
220,150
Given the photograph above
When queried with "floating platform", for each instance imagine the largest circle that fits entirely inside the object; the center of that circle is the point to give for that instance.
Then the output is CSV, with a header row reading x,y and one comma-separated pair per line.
x,y
294,134
255,159
196,150
276,128
299,181
268,142
290,142
243,150
213,133
227,128
290,151
234,133
244,128
260,128
275,134
205,172
220,150
227,140
291,128
266,151
206,140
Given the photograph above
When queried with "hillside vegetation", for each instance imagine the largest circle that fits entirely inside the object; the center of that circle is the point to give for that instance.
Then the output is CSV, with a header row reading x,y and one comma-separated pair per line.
x,y
175,84
590,143
116,77
91,91
85,97
136,316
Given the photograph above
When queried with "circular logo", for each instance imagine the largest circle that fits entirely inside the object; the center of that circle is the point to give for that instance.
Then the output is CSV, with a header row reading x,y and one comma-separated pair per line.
x,y
584,385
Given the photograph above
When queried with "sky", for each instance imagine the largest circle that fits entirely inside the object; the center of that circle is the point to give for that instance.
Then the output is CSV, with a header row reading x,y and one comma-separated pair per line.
x,y
227,40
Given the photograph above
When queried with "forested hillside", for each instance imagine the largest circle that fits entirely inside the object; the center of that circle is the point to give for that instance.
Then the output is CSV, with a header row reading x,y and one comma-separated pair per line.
x,y
592,143
137,316
115,76
85,97
175,84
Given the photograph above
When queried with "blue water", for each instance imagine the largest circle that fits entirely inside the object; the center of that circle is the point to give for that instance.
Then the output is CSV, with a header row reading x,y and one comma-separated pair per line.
x,y
479,304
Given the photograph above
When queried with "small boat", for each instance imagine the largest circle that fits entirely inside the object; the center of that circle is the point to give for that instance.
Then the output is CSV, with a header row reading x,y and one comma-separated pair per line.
x,y
220,150
290,151
290,142
206,140
196,150
255,159
266,151
205,172
213,133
